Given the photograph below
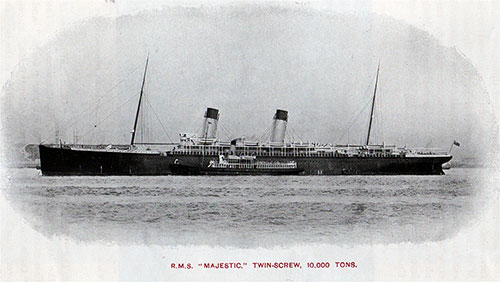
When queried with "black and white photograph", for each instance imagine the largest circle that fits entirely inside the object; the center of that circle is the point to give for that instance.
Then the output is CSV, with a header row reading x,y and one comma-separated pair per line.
x,y
249,141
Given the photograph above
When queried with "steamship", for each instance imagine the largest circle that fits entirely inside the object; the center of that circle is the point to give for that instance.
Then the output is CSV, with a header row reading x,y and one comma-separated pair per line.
x,y
204,154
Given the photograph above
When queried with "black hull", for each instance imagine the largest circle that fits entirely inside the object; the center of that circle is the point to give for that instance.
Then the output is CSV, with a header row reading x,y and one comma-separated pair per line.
x,y
65,161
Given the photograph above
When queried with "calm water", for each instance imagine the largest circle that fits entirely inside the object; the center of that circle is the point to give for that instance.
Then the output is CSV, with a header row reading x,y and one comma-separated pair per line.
x,y
247,211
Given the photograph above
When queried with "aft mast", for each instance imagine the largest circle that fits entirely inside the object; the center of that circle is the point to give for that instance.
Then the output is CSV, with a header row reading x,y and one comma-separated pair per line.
x,y
139,104
373,106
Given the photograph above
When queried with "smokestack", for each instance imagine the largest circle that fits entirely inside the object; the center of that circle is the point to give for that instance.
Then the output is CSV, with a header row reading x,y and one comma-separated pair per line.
x,y
210,124
279,126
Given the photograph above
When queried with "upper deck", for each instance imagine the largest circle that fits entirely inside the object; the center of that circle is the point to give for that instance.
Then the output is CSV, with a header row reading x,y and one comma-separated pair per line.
x,y
301,149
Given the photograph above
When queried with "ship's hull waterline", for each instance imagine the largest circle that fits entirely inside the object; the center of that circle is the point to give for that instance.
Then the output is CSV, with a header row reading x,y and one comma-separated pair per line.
x,y
67,161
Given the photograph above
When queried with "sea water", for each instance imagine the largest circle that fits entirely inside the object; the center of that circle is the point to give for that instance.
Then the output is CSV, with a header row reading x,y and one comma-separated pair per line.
x,y
247,211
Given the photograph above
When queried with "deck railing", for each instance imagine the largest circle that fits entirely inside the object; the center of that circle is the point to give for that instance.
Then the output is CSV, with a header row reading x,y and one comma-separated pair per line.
x,y
255,166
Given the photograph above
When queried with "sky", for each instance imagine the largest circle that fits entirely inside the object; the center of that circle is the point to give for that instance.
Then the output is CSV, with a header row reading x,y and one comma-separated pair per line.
x,y
316,60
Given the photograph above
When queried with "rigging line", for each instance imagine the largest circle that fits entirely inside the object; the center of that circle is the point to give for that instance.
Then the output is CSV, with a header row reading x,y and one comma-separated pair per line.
x,y
289,136
199,129
368,87
293,137
344,130
375,128
354,117
156,115
192,124
295,133
99,123
77,116
268,132
226,132
289,133
379,125
352,121
116,83
381,117
298,135
292,133
264,133
63,129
